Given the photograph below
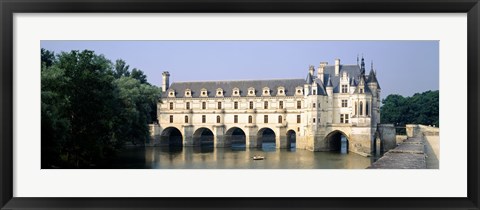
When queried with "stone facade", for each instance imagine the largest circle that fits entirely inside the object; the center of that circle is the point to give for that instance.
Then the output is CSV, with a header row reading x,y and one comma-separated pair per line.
x,y
338,100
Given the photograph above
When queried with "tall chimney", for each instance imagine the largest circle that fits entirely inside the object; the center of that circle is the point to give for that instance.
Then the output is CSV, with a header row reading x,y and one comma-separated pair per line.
x,y
165,80
321,69
337,66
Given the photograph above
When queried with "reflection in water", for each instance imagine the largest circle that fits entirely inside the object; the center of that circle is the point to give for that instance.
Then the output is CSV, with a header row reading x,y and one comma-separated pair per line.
x,y
236,157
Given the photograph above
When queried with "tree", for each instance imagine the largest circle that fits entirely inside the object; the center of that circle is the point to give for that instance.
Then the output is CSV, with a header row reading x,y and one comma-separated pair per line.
x,y
421,108
121,69
47,57
87,113
136,99
139,75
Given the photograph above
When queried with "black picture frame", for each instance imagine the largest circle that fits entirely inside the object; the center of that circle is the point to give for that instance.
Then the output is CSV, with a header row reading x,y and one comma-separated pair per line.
x,y
10,7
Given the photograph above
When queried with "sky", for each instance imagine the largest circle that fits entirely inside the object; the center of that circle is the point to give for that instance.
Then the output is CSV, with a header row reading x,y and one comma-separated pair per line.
x,y
403,67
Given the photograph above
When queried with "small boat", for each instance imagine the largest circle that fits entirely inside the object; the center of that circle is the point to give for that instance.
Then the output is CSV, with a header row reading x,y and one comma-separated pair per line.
x,y
257,157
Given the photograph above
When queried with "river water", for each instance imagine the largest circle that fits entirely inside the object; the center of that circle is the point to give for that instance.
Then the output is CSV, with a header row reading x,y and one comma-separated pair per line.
x,y
235,158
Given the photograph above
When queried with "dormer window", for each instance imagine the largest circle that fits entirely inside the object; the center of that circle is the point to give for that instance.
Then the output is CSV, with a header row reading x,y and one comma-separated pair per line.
x,y
266,91
236,92
203,92
171,93
281,91
188,93
251,91
219,92
299,91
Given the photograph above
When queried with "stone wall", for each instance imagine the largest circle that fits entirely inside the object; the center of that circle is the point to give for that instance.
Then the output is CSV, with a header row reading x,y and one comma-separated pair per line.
x,y
387,136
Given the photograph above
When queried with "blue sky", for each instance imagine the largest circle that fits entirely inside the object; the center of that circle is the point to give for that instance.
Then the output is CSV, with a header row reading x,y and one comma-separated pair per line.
x,y
403,67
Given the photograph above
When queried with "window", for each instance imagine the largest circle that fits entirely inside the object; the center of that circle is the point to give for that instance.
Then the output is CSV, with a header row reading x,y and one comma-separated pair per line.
x,y
171,105
341,118
299,104
344,88
314,105
219,105
299,119
218,119
280,104
188,105
251,105
346,118
186,119
235,118
250,119
366,108
281,91
360,90
265,118
235,105
204,118
314,92
361,108
344,103
314,120
265,105
171,118
204,105
279,118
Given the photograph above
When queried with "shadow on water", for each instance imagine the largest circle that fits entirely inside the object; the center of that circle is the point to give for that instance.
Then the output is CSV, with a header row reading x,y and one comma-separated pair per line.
x,y
203,149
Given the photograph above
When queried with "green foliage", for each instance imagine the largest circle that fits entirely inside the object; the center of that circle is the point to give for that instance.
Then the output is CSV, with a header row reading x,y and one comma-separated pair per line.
x,y
121,69
87,113
421,108
47,57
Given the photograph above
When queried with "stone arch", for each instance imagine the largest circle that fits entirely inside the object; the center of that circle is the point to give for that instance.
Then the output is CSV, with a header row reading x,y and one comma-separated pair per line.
x,y
235,137
171,137
266,138
203,137
338,141
291,139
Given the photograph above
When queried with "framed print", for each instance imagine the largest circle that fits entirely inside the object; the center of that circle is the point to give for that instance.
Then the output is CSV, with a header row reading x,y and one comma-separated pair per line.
x,y
237,137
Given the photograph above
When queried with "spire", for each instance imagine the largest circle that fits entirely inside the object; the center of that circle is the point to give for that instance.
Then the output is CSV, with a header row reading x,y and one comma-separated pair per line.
x,y
371,67
362,67
372,78
357,60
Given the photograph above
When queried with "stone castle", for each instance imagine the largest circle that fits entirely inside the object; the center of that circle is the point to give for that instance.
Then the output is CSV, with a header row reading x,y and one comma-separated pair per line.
x,y
336,107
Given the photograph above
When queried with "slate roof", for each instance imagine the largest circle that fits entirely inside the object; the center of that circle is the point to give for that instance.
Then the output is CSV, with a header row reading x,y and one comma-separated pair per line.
x,y
227,86
353,71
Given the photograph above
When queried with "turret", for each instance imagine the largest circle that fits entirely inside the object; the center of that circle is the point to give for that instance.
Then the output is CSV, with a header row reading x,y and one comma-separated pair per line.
x,y
165,81
321,69
372,81
337,66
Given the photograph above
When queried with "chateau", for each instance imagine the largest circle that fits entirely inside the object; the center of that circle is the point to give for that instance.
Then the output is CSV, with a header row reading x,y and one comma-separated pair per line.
x,y
336,107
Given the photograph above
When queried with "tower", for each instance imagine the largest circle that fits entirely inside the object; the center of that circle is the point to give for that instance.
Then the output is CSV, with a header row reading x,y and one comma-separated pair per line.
x,y
165,81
